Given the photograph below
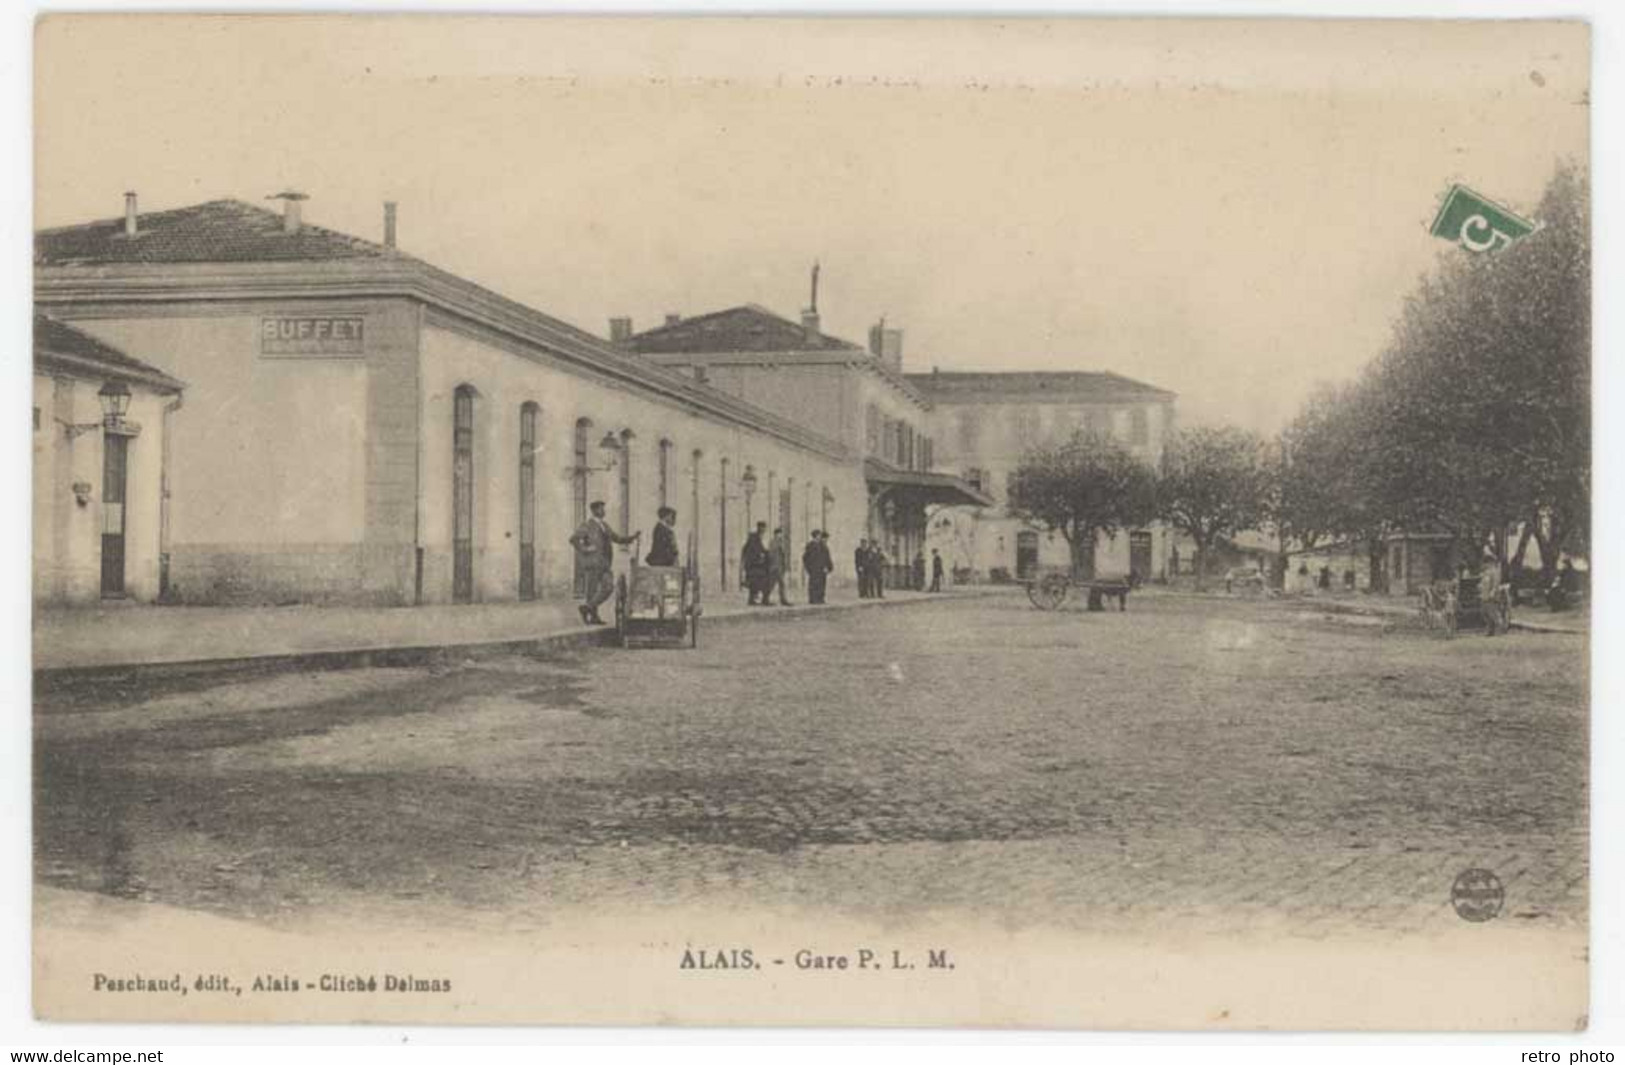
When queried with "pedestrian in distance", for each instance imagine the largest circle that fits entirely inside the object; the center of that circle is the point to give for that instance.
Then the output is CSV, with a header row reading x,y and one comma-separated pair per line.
x,y
816,561
663,552
936,570
877,571
778,566
753,563
594,542
917,572
860,565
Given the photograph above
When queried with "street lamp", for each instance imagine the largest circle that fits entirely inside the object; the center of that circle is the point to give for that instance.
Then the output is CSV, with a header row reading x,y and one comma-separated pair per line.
x,y
114,398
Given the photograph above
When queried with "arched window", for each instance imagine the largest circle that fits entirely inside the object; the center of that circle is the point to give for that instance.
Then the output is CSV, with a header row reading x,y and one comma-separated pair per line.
x,y
665,472
528,416
462,495
722,523
578,488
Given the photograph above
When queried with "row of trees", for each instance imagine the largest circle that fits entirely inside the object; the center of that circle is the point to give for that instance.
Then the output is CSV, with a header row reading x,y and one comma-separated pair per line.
x,y
1213,483
1475,419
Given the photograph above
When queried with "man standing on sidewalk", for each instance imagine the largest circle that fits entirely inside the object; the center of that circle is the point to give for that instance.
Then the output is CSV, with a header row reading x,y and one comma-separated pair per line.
x,y
778,566
816,562
936,570
594,543
753,566
860,565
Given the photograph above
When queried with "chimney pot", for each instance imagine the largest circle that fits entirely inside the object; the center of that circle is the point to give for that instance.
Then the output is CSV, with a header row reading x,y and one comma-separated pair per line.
x,y
620,331
673,319
389,223
290,209
129,214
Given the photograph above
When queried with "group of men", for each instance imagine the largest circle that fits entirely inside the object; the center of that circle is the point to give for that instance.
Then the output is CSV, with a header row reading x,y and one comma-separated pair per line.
x,y
594,544
764,563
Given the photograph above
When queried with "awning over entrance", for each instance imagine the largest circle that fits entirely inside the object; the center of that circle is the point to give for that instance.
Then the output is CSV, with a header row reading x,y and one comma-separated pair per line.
x,y
908,486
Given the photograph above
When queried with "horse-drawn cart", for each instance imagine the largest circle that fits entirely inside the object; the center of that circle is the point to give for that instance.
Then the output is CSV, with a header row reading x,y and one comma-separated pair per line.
x,y
1048,589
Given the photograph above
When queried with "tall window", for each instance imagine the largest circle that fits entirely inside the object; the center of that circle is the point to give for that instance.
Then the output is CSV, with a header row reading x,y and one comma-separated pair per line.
x,y
462,495
626,481
722,523
970,432
694,505
1139,426
578,478
665,472
527,500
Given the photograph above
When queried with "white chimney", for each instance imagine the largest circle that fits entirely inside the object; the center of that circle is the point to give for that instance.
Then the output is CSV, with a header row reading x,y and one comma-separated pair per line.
x,y
129,214
389,223
290,209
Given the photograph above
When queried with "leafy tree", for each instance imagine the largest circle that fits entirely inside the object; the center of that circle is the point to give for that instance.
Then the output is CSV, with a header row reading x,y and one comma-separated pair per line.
x,y
1214,482
1084,486
1477,415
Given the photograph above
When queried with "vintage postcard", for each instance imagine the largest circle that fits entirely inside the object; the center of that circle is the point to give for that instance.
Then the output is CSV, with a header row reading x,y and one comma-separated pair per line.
x,y
984,522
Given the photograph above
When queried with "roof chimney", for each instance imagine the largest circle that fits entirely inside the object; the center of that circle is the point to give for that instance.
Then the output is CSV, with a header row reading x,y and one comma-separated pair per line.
x,y
809,325
290,209
389,223
620,331
129,214
673,319
887,346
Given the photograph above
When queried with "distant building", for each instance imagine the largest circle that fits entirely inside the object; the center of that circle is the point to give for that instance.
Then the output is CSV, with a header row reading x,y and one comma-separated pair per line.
x,y
854,396
984,424
100,453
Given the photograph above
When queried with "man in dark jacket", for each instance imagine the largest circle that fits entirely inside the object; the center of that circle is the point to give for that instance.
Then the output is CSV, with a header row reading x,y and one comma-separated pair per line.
x,y
815,559
663,552
860,564
753,566
877,571
936,570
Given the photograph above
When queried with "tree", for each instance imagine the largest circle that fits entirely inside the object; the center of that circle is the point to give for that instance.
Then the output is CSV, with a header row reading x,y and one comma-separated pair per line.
x,y
1214,482
1087,485
1476,416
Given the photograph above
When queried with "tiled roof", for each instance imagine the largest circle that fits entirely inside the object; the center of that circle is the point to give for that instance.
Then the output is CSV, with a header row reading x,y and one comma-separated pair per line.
x,y
948,386
220,231
747,328
60,346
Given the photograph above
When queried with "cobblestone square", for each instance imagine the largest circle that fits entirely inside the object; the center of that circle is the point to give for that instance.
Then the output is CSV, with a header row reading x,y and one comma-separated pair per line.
x,y
1236,763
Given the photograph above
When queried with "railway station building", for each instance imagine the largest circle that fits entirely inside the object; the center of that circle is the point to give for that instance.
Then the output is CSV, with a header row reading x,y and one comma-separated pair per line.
x,y
362,427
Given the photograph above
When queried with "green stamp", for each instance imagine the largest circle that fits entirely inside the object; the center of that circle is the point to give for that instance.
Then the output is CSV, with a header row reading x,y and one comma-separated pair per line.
x,y
1478,223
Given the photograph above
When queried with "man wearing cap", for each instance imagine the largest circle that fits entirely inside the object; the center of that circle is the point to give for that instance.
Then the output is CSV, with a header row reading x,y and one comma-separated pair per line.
x,y
753,563
594,543
817,562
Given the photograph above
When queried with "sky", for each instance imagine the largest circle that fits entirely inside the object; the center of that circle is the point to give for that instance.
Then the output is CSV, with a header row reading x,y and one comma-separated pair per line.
x,y
1231,210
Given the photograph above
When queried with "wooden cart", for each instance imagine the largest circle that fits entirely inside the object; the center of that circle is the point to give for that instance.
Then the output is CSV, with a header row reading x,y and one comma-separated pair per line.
x,y
1048,589
658,605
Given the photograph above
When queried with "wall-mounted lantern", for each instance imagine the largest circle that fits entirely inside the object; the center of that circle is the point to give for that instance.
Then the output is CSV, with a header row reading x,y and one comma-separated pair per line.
x,y
114,398
747,481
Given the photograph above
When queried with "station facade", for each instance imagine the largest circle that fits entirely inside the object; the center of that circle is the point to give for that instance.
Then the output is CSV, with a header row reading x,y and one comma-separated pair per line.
x,y
361,427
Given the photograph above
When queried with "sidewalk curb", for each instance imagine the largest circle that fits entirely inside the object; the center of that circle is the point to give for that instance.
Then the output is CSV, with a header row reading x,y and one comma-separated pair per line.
x,y
417,655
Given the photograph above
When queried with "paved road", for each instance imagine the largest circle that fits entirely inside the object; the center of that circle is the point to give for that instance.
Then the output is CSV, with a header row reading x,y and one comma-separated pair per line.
x,y
1238,763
